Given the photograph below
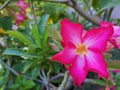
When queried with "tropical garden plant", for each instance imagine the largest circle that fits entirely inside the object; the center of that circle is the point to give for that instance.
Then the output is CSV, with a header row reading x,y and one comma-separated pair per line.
x,y
59,45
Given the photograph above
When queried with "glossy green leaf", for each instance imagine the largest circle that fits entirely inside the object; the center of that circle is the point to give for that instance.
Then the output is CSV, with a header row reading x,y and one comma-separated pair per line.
x,y
17,52
45,37
36,35
20,37
42,23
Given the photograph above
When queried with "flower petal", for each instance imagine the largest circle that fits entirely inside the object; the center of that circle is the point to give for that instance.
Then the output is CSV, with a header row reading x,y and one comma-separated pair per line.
x,y
116,31
98,37
71,32
105,24
116,28
115,41
67,56
77,71
96,63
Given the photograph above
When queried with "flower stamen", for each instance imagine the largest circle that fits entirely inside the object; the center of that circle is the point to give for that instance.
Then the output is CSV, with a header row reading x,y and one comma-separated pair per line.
x,y
81,49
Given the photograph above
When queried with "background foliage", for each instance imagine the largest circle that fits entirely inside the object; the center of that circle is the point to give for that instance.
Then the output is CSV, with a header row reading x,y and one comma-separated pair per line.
x,y
25,52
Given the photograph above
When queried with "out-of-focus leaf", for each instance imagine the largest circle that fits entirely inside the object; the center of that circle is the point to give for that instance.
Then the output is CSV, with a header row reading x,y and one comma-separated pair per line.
x,y
100,82
118,88
20,37
42,23
35,72
55,11
104,4
113,64
2,31
117,76
17,52
28,84
22,83
95,4
4,78
6,23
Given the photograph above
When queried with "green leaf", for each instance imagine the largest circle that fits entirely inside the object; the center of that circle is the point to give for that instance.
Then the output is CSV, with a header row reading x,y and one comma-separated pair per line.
x,y
20,37
45,37
29,84
17,52
36,35
113,64
27,66
56,67
4,78
95,4
118,88
6,23
100,82
42,23
117,76
104,4
56,37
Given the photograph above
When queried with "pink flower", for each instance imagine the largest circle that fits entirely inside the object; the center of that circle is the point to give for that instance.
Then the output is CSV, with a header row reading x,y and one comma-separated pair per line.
x,y
19,18
116,71
115,38
83,53
22,4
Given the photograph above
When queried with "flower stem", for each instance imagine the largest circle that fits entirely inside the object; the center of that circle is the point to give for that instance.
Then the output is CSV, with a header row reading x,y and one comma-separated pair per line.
x,y
64,82
33,12
5,4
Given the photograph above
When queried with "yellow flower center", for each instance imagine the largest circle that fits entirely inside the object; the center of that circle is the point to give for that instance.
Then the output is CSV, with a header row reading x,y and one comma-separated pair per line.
x,y
81,49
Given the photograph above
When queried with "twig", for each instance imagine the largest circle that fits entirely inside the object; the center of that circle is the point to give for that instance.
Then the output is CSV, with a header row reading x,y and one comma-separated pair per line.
x,y
64,82
9,68
48,75
57,1
82,12
5,4
33,12
57,76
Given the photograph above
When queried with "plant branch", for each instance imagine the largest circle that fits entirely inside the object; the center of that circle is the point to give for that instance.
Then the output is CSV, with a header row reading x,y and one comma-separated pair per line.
x,y
48,75
33,12
9,68
5,4
72,3
64,82
82,12
57,76
57,1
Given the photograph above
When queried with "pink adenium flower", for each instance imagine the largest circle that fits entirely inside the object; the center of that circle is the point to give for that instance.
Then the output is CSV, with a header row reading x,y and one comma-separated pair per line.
x,y
116,71
19,18
83,53
22,4
115,38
